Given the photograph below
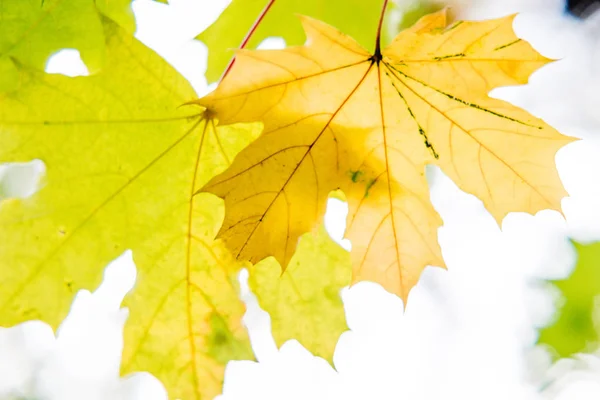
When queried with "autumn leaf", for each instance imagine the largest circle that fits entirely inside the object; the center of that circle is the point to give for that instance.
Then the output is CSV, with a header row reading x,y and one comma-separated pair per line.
x,y
227,32
123,162
336,116
32,30
575,329
304,302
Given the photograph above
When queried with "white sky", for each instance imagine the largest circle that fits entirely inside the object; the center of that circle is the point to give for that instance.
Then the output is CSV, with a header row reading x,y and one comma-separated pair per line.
x,y
468,332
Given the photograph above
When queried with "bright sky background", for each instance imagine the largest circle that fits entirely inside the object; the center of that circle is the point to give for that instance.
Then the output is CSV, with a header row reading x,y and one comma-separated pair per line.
x,y
468,333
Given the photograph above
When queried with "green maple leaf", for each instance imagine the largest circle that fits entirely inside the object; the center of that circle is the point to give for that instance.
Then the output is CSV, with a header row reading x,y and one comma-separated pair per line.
x,y
226,33
575,330
123,161
304,302
32,30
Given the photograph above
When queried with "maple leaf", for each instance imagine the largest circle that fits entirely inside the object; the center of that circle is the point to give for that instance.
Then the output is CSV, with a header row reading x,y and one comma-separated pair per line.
x,y
31,30
336,116
576,330
228,31
304,302
123,161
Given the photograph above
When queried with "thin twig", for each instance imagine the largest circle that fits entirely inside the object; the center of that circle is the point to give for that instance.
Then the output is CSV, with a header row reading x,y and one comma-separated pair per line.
x,y
253,29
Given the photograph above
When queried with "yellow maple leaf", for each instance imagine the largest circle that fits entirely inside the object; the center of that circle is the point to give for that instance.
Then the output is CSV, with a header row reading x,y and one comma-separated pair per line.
x,y
336,116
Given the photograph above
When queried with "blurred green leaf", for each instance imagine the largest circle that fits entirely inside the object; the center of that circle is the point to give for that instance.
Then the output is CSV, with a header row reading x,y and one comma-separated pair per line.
x,y
575,330
417,10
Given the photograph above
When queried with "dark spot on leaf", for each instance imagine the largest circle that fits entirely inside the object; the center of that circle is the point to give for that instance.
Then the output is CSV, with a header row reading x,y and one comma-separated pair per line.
x,y
370,183
355,175
457,55
223,345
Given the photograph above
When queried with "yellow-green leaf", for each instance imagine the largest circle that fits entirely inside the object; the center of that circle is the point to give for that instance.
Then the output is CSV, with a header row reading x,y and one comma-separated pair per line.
x,y
119,11
304,302
32,30
227,32
123,162
576,327
336,116
9,75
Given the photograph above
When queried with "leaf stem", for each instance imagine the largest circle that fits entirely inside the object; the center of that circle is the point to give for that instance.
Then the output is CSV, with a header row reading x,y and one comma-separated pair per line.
x,y
378,38
246,39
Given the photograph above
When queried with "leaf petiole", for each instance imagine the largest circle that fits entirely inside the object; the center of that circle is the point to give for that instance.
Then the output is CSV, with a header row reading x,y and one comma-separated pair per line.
x,y
377,54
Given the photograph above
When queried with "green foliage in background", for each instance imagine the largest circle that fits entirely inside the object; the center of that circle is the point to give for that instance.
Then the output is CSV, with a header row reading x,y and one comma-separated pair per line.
x,y
576,328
